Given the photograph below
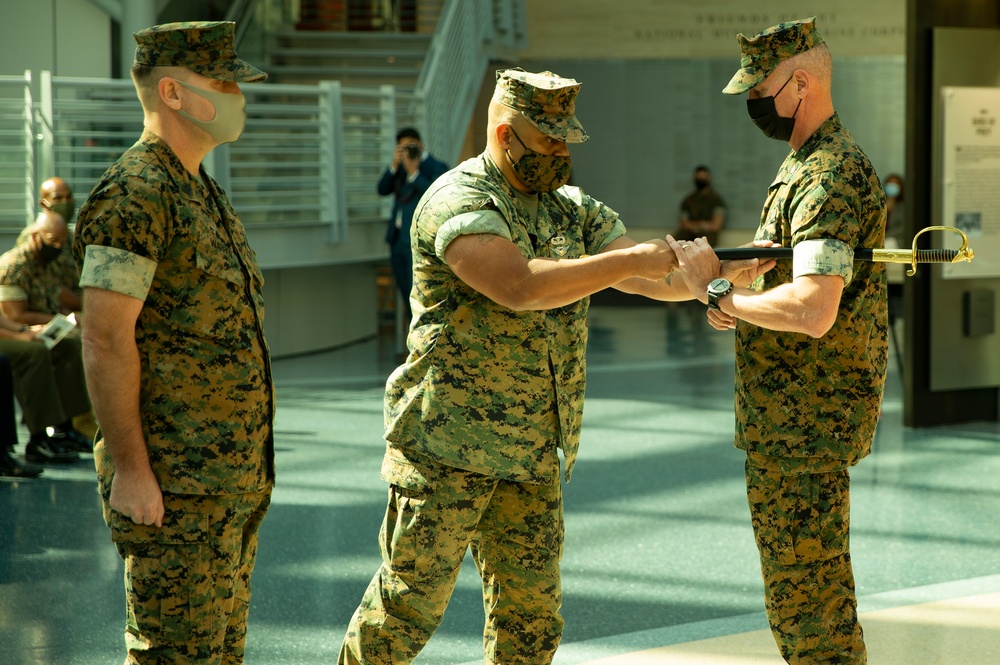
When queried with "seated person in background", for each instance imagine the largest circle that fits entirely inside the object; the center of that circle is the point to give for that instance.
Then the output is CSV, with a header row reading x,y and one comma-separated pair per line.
x,y
56,196
31,293
31,286
9,465
49,384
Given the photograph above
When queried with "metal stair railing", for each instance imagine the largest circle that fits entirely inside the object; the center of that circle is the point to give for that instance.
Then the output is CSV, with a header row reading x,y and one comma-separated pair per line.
x,y
17,179
449,82
310,155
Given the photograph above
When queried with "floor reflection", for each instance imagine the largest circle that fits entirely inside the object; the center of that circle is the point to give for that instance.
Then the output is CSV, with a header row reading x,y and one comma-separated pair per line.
x,y
659,548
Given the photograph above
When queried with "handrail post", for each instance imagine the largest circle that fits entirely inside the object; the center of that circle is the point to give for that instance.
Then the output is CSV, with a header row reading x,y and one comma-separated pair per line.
x,y
45,141
332,169
30,177
387,131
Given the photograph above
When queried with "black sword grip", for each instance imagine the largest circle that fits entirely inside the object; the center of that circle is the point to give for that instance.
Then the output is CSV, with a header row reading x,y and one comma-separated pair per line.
x,y
778,253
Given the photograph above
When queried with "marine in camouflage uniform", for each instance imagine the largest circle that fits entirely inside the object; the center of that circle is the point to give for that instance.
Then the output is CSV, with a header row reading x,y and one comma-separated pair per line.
x,y
50,383
807,406
63,270
56,195
493,386
26,277
161,246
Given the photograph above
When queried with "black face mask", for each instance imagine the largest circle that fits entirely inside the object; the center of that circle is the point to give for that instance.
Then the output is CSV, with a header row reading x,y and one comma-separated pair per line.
x,y
48,253
765,116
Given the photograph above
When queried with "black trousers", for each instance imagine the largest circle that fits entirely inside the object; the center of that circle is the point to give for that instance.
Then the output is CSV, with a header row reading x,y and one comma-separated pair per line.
x,y
8,422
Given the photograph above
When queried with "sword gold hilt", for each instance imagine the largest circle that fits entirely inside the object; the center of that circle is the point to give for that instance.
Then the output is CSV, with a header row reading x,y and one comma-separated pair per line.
x,y
912,256
915,256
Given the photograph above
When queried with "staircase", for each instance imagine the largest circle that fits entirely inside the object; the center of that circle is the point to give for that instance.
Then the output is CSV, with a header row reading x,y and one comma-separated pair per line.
x,y
353,58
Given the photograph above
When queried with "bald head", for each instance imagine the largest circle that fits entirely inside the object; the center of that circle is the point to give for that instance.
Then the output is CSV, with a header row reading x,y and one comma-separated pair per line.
x,y
52,227
55,190
57,196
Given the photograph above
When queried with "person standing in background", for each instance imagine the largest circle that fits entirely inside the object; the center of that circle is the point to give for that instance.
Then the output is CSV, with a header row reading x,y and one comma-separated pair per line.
x,y
703,212
411,172
895,222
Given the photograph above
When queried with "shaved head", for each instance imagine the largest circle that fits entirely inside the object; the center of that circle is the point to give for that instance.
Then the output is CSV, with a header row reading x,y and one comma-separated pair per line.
x,y
55,189
49,223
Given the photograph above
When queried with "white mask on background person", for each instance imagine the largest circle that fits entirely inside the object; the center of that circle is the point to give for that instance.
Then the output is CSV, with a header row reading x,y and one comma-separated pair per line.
x,y
892,189
230,114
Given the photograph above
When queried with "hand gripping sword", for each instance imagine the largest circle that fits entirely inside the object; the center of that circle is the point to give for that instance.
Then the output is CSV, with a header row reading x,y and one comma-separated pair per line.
x,y
912,256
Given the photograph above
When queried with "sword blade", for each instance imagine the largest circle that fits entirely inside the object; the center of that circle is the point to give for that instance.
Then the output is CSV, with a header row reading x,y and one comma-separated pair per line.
x,y
861,254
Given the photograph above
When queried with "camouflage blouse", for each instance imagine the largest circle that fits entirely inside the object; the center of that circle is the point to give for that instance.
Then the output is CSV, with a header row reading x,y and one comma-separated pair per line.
x,y
153,231
24,277
486,388
798,396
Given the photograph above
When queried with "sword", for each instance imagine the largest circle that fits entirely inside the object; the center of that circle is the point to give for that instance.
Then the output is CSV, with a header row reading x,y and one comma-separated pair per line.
x,y
912,256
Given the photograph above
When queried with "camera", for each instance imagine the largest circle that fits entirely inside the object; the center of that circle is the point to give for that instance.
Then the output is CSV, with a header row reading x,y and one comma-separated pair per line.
x,y
412,150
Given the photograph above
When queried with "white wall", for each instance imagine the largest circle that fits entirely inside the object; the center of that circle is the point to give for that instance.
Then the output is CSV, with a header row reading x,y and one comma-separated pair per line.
x,y
73,41
653,72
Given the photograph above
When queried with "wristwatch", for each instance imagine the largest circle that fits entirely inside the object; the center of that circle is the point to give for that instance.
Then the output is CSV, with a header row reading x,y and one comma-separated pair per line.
x,y
717,288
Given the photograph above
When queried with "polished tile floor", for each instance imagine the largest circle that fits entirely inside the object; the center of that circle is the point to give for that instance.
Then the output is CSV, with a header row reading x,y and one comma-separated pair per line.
x,y
660,565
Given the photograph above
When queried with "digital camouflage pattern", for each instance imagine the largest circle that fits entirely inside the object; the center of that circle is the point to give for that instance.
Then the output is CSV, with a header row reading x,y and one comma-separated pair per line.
x,y
761,53
49,383
190,578
797,396
436,513
801,522
547,100
23,276
806,408
485,388
64,268
205,47
153,231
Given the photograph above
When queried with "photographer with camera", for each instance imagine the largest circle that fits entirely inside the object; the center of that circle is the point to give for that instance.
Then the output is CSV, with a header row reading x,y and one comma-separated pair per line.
x,y
412,171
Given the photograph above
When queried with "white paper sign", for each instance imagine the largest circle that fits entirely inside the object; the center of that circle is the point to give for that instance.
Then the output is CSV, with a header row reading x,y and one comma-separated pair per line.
x,y
971,178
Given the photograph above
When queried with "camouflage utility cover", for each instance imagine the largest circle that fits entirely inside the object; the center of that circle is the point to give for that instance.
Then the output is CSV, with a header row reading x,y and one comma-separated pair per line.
x,y
24,277
547,100
153,231
205,47
797,396
762,53
486,388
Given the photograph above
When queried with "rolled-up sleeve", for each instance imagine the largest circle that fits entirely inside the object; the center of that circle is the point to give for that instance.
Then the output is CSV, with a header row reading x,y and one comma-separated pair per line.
x,y
823,257
469,223
117,270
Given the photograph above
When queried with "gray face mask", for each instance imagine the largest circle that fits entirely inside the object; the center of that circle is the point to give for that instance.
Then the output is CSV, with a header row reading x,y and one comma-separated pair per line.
x,y
230,114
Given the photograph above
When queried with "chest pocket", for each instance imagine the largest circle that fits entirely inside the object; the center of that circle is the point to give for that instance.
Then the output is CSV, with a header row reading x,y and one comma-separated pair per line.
x,y
220,262
775,224
204,289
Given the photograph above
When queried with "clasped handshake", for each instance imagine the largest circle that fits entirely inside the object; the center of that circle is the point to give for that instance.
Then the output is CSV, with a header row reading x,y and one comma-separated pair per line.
x,y
697,265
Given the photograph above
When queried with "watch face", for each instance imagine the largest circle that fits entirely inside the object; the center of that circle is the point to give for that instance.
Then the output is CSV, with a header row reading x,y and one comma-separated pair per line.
x,y
719,284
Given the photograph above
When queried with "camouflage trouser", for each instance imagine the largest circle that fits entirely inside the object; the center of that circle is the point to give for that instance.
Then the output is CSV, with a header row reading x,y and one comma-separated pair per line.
x,y
801,522
515,531
187,583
